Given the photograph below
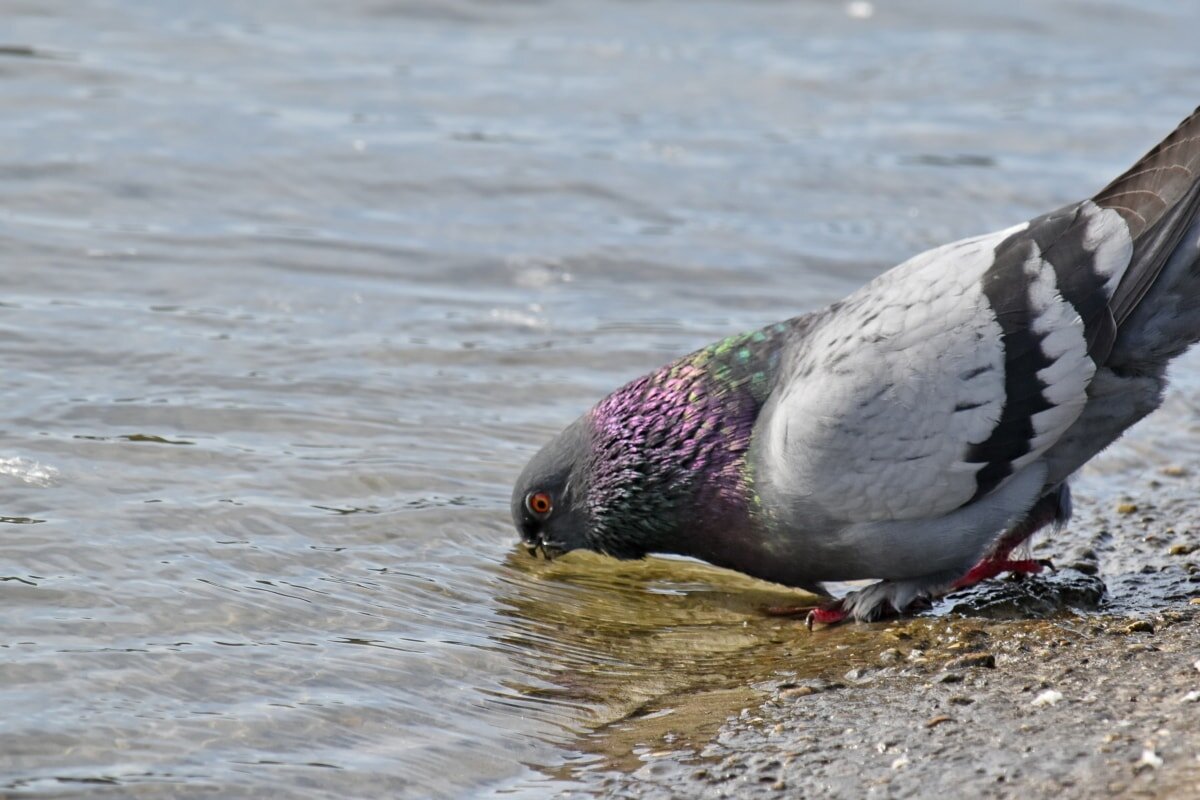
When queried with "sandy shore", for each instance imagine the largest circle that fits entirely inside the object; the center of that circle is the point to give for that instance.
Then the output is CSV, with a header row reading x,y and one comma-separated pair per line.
x,y
1084,683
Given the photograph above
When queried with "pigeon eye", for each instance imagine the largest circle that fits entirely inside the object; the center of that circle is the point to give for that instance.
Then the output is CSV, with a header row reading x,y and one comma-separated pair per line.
x,y
539,504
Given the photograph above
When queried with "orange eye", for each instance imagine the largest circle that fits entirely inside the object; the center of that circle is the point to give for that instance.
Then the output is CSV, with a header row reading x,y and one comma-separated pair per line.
x,y
539,504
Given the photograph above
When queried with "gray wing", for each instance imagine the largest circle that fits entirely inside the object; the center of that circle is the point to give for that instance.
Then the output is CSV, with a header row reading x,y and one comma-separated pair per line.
x,y
934,384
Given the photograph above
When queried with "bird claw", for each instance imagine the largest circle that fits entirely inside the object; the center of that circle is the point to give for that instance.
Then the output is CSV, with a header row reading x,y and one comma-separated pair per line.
x,y
831,614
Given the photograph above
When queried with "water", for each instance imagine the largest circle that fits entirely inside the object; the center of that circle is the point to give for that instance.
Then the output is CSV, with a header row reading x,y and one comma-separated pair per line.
x,y
290,291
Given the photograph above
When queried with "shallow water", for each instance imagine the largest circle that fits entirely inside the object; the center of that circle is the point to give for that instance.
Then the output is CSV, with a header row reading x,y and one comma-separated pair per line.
x,y
290,291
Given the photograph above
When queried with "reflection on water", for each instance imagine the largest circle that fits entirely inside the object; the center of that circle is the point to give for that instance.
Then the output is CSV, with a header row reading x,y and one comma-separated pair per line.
x,y
654,644
290,292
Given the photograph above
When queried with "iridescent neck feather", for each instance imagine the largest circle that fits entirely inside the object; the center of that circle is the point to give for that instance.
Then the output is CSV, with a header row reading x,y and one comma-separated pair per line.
x,y
668,450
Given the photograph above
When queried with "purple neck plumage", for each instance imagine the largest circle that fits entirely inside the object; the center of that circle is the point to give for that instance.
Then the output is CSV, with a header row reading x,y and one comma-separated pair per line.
x,y
668,451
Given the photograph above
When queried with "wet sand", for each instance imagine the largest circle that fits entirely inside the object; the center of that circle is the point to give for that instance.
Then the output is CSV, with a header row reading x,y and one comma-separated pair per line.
x,y
1081,683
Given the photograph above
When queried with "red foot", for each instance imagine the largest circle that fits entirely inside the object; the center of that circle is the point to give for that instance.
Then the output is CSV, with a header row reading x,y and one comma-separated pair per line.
x,y
830,614
991,567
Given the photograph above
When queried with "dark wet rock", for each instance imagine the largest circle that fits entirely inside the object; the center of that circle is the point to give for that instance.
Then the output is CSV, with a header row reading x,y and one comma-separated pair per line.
x,y
1028,596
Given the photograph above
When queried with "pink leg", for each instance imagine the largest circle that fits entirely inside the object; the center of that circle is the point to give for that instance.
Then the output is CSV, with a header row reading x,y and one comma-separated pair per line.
x,y
831,613
992,566
1054,507
788,611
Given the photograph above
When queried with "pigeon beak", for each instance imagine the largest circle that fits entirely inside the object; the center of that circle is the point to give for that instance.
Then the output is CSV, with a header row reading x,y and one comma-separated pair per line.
x,y
548,551
534,546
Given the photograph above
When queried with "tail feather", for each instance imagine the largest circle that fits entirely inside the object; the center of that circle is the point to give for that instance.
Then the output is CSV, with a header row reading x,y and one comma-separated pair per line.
x,y
1167,322
1159,199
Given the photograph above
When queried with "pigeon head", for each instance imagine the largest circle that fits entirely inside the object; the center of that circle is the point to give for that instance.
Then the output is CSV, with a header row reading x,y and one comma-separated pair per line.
x,y
654,464
607,483
548,501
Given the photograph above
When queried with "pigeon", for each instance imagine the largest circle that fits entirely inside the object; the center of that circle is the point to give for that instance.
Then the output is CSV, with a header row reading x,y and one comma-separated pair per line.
x,y
914,433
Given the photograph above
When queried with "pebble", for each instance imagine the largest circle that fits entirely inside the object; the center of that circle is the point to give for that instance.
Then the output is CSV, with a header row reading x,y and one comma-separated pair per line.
x,y
1181,549
1191,697
797,691
1149,760
949,677
938,720
1174,471
1140,626
985,660
1047,698
1126,508
900,763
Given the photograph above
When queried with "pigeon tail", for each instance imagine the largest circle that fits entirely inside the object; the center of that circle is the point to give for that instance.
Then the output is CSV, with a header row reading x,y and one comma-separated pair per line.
x,y
1156,306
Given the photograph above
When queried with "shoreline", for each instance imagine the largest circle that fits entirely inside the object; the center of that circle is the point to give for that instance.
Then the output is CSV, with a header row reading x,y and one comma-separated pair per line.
x,y
1081,683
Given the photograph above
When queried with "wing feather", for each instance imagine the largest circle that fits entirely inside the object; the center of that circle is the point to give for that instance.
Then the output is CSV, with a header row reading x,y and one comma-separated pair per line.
x,y
935,383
